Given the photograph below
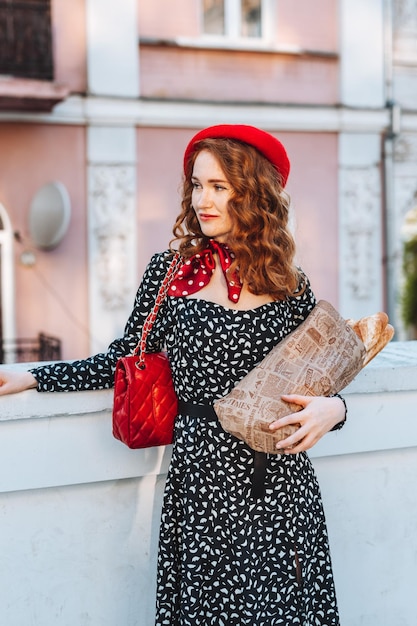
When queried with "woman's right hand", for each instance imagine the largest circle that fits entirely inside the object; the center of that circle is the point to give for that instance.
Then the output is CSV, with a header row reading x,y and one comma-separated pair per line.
x,y
14,382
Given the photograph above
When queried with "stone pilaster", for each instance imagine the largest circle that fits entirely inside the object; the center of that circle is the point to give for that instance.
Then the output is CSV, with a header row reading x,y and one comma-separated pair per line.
x,y
112,48
111,231
362,53
113,74
405,144
360,225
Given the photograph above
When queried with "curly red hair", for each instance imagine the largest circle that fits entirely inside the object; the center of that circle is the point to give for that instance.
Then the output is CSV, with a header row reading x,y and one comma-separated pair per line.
x,y
260,239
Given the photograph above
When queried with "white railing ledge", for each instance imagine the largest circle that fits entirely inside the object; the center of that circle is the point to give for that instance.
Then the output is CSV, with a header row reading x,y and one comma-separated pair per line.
x,y
31,404
66,437
80,509
393,369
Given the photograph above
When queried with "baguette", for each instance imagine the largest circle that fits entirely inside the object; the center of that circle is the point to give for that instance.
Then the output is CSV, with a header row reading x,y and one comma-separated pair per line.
x,y
374,331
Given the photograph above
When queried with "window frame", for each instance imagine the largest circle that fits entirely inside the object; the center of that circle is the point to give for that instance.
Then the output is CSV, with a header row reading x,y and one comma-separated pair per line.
x,y
232,21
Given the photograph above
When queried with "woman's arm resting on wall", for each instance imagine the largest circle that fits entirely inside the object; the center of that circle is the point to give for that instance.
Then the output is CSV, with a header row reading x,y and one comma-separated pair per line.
x,y
14,382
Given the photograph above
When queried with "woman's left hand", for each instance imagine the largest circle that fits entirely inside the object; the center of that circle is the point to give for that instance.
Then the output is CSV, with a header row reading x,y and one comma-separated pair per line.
x,y
318,415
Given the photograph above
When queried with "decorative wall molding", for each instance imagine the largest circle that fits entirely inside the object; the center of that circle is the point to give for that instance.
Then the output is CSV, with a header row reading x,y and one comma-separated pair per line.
x,y
112,193
405,150
405,183
112,230
402,196
405,16
360,228
166,114
405,31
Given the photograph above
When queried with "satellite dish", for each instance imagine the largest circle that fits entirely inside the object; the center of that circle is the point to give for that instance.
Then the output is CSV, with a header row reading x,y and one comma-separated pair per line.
x,y
49,215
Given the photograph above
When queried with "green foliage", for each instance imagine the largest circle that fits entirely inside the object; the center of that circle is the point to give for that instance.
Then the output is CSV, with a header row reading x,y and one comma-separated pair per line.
x,y
409,295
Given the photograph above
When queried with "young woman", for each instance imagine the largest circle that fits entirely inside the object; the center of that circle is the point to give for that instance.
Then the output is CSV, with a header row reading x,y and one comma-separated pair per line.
x,y
243,539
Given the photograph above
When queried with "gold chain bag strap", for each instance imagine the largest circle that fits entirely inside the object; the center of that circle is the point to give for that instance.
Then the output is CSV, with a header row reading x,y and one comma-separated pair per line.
x,y
320,357
145,404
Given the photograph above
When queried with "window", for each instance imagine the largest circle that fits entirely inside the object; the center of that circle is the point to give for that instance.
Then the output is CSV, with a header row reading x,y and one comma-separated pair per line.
x,y
234,18
251,18
214,17
26,39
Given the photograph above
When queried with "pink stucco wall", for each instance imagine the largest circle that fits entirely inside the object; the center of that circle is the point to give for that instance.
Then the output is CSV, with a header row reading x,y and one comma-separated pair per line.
x,y
69,42
169,70
309,25
159,176
237,76
154,20
52,296
312,186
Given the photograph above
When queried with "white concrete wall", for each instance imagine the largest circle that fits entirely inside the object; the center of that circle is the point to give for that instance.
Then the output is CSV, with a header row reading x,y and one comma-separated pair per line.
x,y
79,512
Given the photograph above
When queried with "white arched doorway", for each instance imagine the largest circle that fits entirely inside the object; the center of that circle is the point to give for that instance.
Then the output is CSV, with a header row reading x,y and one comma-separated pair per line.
x,y
7,291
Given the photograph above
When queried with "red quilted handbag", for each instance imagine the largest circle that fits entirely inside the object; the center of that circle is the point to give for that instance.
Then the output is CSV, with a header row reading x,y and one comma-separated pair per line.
x,y
145,404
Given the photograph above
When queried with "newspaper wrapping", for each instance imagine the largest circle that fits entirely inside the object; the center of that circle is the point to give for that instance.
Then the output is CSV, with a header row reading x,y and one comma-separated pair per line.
x,y
320,357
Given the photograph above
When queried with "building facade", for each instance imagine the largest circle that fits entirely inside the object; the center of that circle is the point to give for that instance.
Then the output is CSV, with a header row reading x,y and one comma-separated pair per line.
x,y
129,83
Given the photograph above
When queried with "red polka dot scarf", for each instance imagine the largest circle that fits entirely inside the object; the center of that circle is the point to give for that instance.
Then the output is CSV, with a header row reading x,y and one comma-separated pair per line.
x,y
198,270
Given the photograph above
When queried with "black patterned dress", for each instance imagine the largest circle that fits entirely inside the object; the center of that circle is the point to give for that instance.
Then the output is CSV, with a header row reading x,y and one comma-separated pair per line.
x,y
226,558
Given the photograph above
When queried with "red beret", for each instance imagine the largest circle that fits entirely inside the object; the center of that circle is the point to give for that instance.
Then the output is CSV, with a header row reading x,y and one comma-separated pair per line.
x,y
267,145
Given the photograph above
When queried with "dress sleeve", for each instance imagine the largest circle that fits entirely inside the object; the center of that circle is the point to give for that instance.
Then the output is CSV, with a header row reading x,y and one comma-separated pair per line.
x,y
302,305
97,372
302,302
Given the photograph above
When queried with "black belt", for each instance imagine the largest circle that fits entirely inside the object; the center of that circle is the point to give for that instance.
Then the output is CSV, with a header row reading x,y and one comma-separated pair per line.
x,y
259,458
196,410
